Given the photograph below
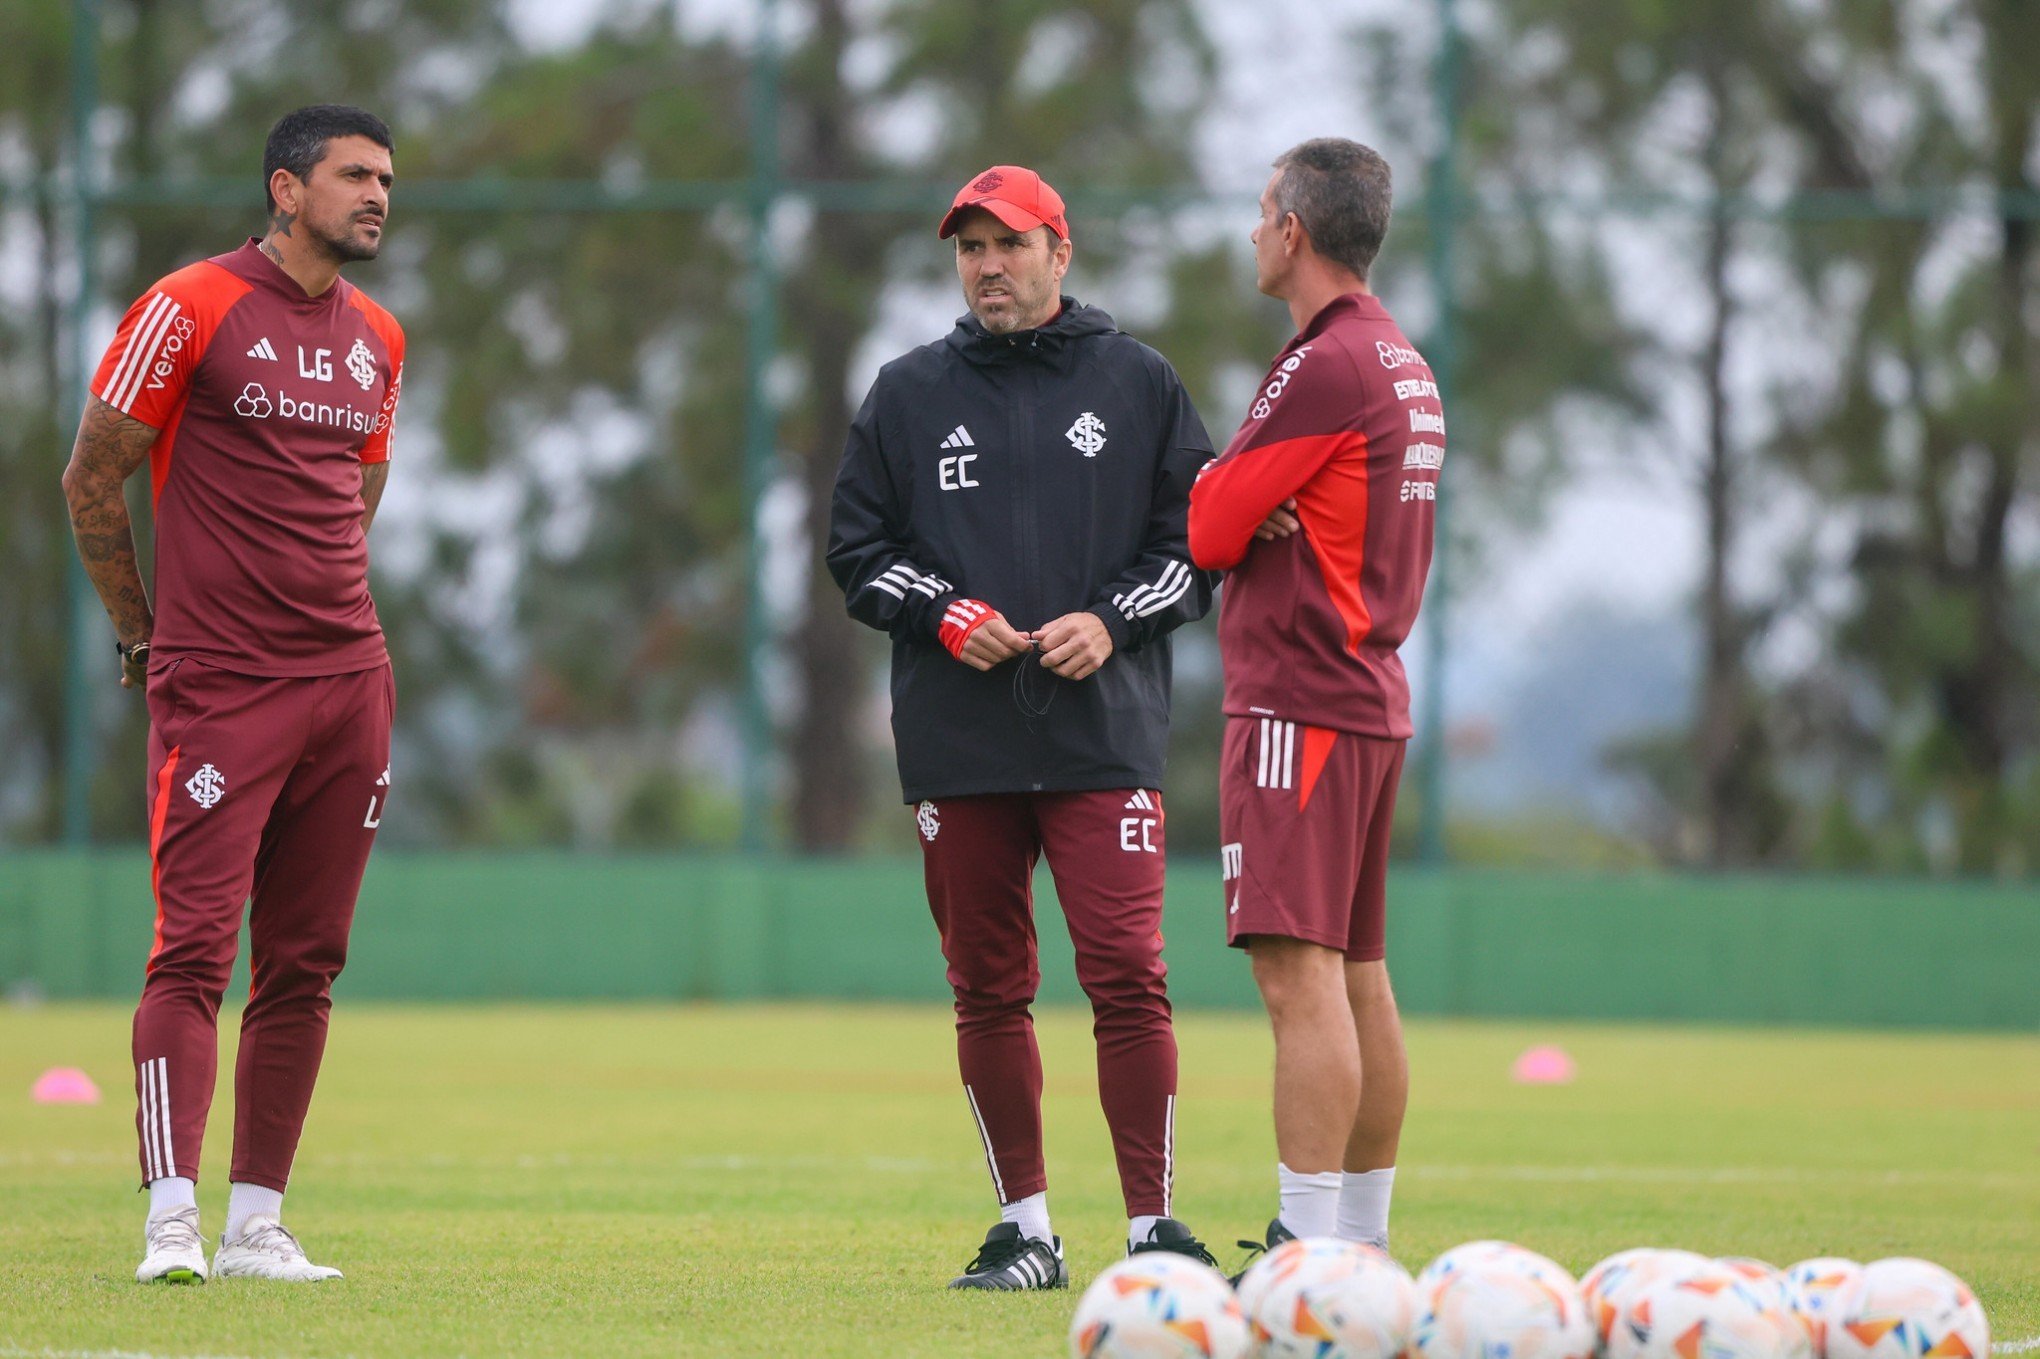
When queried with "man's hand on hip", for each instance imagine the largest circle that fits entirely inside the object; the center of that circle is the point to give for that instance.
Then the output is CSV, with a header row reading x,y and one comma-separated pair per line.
x,y
1074,645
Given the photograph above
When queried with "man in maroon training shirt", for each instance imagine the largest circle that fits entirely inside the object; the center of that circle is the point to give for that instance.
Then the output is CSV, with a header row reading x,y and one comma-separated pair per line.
x,y
1321,512
261,388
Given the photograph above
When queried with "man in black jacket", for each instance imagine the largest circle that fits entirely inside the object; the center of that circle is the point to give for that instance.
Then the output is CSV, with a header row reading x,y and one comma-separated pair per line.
x,y
1012,511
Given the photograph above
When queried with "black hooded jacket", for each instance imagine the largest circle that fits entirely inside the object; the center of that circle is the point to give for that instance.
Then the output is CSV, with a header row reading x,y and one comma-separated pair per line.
x,y
1043,472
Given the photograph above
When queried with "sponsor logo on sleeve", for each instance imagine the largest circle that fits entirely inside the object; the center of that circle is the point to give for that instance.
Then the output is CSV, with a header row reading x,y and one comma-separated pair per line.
x,y
1427,422
1409,389
1278,382
173,345
1419,490
1423,457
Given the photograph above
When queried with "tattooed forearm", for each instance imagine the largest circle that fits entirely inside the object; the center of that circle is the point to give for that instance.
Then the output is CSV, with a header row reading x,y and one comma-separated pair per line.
x,y
374,476
110,447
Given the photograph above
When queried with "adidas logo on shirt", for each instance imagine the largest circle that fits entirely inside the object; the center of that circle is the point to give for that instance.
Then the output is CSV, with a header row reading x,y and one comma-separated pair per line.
x,y
262,350
959,438
1140,801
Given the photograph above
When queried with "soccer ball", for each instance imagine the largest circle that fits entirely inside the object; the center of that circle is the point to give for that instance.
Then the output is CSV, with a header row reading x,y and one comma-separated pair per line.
x,y
1766,1278
1159,1306
1814,1288
1611,1286
1909,1308
1490,1298
1318,1298
1708,1311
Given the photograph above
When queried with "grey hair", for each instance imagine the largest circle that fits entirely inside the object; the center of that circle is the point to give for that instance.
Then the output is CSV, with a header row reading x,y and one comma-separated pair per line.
x,y
1340,191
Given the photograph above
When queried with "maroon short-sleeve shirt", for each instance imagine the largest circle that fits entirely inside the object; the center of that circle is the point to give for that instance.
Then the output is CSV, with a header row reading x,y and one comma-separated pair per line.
x,y
266,402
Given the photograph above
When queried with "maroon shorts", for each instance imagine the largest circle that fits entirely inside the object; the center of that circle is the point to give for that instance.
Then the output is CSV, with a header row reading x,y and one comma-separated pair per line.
x,y
1304,813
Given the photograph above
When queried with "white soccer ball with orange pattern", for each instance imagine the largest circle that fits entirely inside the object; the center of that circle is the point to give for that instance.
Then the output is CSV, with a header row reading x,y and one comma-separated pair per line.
x,y
1813,1289
1320,1298
1709,1311
1159,1306
1907,1309
1616,1282
1490,1299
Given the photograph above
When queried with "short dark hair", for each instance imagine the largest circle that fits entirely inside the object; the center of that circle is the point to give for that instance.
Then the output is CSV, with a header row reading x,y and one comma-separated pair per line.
x,y
1340,191
298,141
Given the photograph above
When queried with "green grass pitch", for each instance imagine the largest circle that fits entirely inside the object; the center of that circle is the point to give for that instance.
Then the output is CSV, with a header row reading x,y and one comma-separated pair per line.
x,y
802,1180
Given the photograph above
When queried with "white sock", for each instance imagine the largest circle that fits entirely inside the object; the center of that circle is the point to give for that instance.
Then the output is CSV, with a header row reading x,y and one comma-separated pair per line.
x,y
1363,1206
171,1193
1310,1203
1032,1215
1139,1229
250,1200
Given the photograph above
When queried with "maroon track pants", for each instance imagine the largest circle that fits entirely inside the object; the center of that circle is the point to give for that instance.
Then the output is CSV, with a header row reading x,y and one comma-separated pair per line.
x,y
262,788
1107,853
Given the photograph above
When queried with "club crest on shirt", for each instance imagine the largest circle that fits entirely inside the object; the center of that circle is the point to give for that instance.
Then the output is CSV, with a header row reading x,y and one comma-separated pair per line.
x,y
930,823
361,363
1087,435
207,786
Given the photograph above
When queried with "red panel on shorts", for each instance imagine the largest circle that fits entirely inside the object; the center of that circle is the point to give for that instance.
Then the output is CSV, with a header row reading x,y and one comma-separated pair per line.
x,y
1311,863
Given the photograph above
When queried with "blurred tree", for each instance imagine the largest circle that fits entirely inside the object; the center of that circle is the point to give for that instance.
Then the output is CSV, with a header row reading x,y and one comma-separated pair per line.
x,y
34,543
1912,721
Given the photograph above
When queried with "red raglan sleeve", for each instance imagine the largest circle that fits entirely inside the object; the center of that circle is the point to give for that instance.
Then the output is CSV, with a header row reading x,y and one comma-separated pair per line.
x,y
1305,414
376,448
147,370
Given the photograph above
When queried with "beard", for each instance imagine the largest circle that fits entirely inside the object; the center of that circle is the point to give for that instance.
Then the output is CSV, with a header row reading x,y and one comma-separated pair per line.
x,y
344,246
1011,315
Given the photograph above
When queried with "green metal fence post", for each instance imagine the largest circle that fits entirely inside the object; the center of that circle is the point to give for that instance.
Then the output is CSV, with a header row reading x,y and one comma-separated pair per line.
x,y
761,432
88,633
1442,207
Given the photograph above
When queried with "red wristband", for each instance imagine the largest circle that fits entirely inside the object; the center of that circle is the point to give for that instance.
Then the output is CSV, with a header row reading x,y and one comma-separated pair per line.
x,y
964,617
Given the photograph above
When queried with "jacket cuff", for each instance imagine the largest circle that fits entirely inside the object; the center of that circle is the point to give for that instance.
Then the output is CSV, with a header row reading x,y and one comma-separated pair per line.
x,y
929,628
1117,624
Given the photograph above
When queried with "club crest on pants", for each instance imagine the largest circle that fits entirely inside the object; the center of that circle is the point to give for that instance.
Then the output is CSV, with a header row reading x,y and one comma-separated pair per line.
x,y
926,818
207,786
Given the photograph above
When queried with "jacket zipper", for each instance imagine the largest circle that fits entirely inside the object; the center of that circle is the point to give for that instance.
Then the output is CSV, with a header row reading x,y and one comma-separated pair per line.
x,y
1028,515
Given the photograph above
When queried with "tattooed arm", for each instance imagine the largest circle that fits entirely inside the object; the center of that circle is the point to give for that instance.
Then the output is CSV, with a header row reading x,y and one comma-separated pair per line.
x,y
374,475
110,447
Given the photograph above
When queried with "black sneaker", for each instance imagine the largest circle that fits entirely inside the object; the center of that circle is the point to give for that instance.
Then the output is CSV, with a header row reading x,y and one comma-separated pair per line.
x,y
1277,1234
1172,1236
1009,1262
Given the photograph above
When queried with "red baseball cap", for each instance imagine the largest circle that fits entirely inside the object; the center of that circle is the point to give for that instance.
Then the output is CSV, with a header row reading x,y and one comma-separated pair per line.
x,y
1013,194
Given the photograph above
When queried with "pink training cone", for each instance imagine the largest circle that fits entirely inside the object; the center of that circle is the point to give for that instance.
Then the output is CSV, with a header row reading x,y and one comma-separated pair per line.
x,y
1543,1066
64,1085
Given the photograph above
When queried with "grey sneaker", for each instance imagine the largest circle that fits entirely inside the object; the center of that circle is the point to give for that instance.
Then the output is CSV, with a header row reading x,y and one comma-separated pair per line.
x,y
175,1253
265,1249
1009,1263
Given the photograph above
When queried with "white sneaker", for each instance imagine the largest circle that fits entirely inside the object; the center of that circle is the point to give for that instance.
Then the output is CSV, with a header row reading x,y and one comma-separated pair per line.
x,y
176,1254
266,1250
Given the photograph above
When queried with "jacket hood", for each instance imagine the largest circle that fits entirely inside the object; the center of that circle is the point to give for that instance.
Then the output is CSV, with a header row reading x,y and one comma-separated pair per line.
x,y
1075,321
